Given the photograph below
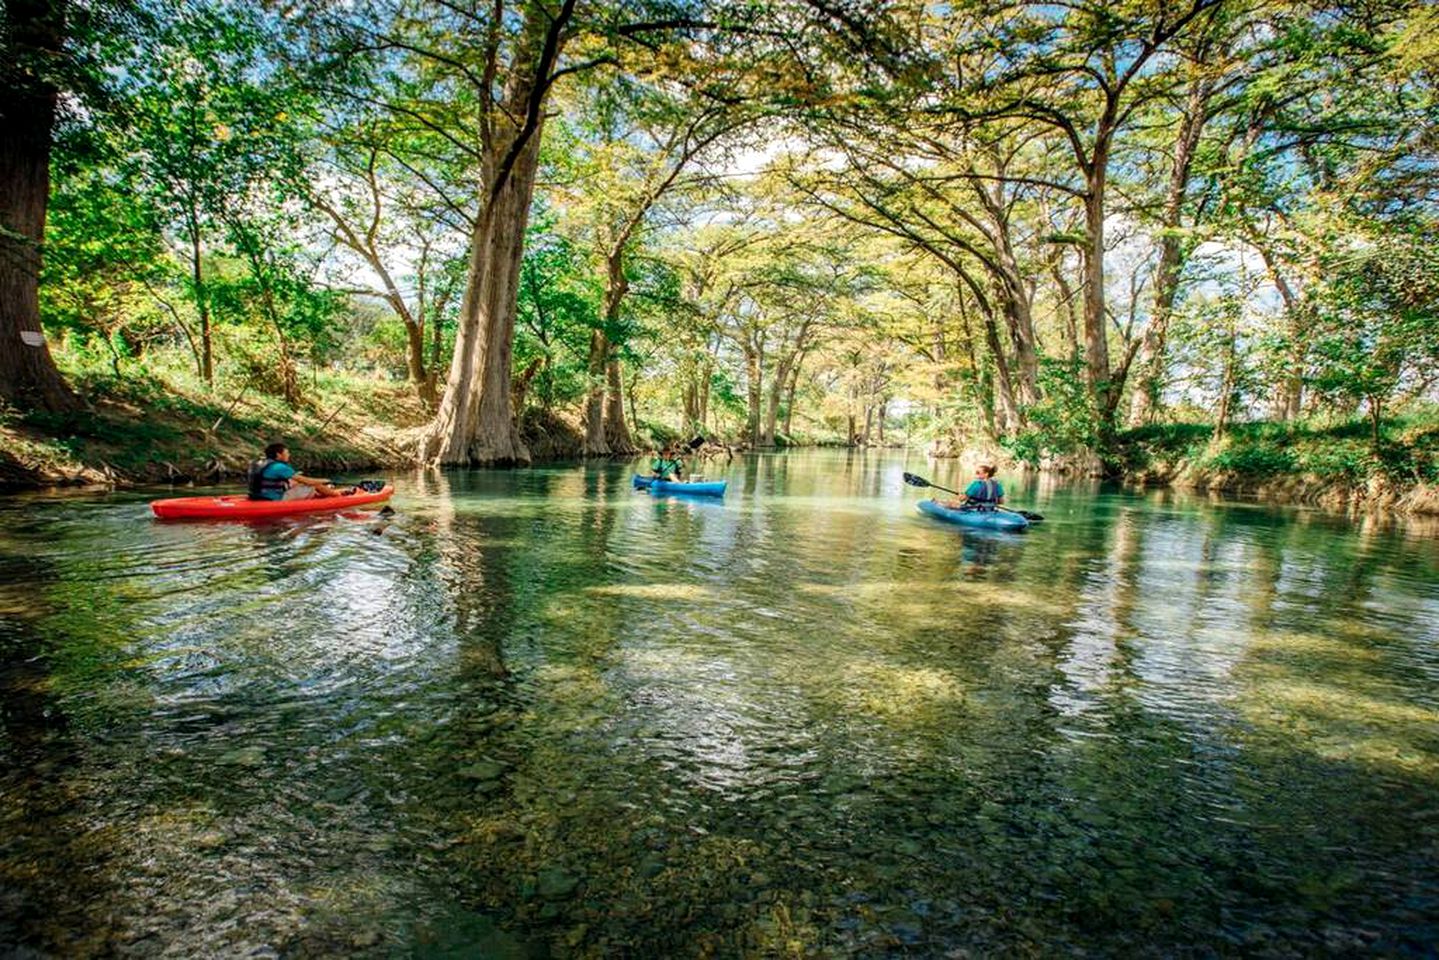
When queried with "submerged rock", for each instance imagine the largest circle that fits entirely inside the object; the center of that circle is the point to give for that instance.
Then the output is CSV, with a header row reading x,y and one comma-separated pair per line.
x,y
244,757
555,883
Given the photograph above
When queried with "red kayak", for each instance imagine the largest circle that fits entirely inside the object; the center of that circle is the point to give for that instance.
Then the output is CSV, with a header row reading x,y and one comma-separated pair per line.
x,y
241,507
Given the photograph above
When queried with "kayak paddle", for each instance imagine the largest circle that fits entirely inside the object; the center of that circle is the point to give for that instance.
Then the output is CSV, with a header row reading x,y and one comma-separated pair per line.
x,y
918,481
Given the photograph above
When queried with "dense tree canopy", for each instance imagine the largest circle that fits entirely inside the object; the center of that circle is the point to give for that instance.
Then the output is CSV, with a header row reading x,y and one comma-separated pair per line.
x,y
1028,226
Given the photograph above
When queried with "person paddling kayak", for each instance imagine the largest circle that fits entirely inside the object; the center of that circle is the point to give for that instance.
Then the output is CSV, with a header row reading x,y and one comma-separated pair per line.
x,y
272,478
668,465
983,493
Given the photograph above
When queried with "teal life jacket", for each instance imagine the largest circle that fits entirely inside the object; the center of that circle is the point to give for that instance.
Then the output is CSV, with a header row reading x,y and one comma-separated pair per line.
x,y
663,468
262,485
988,494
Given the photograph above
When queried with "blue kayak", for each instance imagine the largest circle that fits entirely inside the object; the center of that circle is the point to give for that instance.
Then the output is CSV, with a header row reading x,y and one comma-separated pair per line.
x,y
984,519
712,489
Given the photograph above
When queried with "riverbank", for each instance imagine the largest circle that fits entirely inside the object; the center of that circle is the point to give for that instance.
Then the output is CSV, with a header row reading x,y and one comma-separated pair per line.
x,y
1330,465
169,430
148,430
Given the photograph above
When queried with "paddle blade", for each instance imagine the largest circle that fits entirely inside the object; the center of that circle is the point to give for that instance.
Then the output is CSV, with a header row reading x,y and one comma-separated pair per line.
x,y
914,481
696,443
1031,517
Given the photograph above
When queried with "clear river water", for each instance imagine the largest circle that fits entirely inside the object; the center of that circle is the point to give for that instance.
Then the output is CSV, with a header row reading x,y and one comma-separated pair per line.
x,y
538,713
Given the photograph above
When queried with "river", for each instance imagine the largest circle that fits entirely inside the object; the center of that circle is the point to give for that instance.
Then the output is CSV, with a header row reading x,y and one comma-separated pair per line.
x,y
538,713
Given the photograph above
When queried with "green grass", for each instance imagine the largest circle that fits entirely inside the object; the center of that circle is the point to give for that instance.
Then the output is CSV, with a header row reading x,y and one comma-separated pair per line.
x,y
1341,451
157,421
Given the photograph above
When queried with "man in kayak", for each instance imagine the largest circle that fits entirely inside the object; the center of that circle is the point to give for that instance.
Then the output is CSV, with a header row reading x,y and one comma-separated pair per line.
x,y
668,465
272,478
983,493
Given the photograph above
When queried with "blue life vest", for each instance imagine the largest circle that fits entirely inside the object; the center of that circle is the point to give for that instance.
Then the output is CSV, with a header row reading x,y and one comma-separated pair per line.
x,y
262,485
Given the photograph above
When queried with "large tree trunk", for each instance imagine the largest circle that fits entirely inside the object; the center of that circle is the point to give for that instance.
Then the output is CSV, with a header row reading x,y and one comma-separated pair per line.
x,y
777,385
35,32
475,422
1172,252
789,402
754,371
1096,333
617,434
1007,416
692,404
595,443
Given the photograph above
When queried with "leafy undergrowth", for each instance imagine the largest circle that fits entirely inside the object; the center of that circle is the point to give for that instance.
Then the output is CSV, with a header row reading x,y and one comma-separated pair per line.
x,y
1340,453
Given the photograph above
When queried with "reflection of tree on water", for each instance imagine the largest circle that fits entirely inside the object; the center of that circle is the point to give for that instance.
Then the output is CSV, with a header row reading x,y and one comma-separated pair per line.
x,y
39,756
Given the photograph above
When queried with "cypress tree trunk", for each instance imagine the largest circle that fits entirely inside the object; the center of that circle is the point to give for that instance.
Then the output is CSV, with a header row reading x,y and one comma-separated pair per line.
x,y
617,434
1096,334
35,33
475,422
789,401
1171,259
595,443
754,368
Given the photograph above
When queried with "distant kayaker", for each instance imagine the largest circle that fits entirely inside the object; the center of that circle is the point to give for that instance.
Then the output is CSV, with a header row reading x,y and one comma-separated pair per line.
x,y
983,493
272,478
668,465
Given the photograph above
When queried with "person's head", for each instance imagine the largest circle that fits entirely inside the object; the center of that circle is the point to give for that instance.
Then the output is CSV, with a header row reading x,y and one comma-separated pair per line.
x,y
277,451
985,470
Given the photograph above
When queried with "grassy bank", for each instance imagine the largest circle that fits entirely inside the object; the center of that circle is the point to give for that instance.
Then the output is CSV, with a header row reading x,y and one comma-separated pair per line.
x,y
1333,464
156,428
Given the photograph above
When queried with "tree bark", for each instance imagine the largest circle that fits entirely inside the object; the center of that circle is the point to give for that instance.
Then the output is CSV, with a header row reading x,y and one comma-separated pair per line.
x,y
475,422
754,372
35,33
1096,332
617,434
789,402
778,381
1172,253
595,443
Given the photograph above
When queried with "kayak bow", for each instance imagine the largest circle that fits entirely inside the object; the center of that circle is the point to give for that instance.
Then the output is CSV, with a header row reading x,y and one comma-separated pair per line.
x,y
241,507
714,488
984,519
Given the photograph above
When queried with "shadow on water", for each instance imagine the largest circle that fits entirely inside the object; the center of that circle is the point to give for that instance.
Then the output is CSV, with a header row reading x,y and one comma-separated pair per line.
x,y
540,712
